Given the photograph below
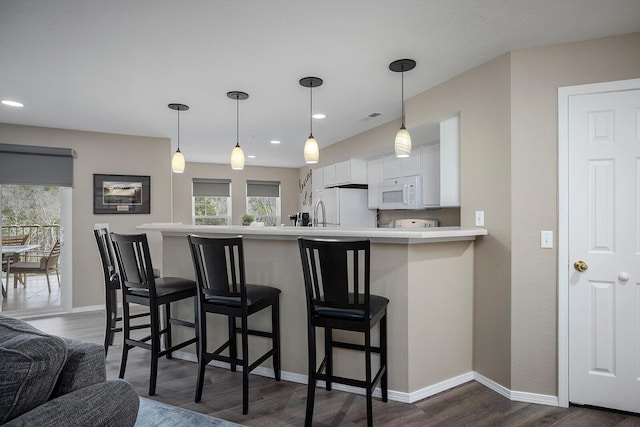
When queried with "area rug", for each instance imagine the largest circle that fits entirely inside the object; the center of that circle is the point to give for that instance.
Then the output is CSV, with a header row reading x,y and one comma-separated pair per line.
x,y
156,414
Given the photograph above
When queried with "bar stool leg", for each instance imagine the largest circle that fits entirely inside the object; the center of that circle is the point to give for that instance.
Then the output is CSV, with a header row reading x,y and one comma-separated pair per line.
x,y
155,349
328,354
367,353
167,326
126,332
383,356
233,342
202,350
245,366
311,381
275,336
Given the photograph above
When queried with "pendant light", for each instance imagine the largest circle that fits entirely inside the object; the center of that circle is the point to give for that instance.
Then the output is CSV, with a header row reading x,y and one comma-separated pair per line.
x,y
237,155
403,138
177,162
311,150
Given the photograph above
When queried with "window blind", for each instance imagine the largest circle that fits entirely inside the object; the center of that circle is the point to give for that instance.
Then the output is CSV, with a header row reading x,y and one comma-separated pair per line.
x,y
211,187
32,165
263,188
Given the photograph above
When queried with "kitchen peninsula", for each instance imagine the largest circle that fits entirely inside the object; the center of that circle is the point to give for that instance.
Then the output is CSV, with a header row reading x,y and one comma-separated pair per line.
x,y
427,275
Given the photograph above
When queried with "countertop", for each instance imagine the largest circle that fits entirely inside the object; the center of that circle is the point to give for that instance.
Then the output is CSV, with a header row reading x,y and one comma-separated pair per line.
x,y
378,235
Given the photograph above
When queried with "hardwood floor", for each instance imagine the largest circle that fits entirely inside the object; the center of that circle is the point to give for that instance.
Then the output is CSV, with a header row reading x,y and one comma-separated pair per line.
x,y
283,403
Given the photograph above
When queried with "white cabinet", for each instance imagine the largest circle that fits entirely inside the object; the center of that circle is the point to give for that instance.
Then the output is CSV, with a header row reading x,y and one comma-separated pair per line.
x,y
316,184
450,162
348,172
394,167
329,176
430,157
374,176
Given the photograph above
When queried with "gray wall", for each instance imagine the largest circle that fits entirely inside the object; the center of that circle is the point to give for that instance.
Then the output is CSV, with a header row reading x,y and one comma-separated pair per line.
x,y
108,154
508,130
182,189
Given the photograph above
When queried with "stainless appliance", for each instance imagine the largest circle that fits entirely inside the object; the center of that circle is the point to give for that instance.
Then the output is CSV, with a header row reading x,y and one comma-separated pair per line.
x,y
416,223
346,207
401,193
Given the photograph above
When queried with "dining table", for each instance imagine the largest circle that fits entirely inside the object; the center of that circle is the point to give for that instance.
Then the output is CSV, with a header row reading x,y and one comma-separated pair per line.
x,y
9,251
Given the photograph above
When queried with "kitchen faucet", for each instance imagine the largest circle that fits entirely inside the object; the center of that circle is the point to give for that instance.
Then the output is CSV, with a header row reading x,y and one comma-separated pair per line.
x,y
315,214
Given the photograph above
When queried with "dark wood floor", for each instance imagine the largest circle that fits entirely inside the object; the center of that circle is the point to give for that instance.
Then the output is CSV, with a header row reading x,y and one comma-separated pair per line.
x,y
283,403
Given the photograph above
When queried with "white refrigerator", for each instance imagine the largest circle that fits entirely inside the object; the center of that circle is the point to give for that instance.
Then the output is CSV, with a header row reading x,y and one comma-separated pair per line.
x,y
347,207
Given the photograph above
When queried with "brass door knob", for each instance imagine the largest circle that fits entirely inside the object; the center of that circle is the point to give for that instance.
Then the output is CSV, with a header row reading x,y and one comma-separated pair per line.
x,y
580,266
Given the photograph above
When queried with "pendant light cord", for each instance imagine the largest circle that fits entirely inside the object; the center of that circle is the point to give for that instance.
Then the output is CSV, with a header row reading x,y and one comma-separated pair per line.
x,y
178,129
402,95
311,111
237,120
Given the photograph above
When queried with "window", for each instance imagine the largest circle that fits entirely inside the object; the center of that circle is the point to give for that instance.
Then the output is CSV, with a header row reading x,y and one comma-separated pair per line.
x,y
211,201
263,201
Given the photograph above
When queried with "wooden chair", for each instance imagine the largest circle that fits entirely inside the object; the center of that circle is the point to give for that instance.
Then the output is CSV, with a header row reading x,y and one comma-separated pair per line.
x,y
336,279
111,286
220,274
7,260
139,286
48,264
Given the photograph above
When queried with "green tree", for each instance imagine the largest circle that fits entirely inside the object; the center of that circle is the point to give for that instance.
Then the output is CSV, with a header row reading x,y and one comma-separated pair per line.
x,y
30,204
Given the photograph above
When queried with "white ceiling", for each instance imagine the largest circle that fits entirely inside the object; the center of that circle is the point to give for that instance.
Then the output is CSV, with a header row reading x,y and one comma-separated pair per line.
x,y
114,65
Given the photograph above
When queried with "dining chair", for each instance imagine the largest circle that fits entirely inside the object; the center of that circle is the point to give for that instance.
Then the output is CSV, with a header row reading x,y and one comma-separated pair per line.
x,y
336,279
47,264
7,260
139,286
111,286
222,289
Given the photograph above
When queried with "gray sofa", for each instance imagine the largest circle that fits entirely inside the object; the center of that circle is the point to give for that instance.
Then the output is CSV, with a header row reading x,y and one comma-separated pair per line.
x,y
51,381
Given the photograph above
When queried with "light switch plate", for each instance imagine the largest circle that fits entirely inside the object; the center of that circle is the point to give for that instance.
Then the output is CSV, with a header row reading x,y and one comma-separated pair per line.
x,y
546,239
479,218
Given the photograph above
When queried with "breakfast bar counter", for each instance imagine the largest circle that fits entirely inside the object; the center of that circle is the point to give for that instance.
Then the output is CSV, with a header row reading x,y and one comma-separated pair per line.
x,y
427,274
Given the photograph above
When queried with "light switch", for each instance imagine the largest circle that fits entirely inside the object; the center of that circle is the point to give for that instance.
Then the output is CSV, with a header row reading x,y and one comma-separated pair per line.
x,y
546,239
479,218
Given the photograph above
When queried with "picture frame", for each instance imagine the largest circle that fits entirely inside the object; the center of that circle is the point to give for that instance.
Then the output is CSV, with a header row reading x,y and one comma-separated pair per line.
x,y
121,194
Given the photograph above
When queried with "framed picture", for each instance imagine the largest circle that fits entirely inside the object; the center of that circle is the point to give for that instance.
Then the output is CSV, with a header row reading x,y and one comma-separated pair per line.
x,y
121,194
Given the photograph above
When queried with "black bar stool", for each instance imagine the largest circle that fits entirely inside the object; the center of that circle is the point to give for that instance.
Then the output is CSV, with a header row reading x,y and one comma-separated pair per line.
x,y
336,279
139,286
222,289
111,286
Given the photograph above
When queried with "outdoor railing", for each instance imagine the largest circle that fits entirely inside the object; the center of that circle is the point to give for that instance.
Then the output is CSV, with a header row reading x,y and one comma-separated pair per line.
x,y
43,235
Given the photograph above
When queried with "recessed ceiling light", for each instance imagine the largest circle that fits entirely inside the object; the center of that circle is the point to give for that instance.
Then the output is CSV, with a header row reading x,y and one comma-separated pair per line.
x,y
319,116
12,103
274,141
251,156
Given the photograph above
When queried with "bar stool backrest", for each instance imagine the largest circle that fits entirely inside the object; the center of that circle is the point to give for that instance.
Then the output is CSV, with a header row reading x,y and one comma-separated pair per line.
x,y
336,274
134,261
219,267
109,268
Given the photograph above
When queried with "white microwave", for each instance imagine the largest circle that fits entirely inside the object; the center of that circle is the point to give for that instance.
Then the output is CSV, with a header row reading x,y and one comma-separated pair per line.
x,y
401,193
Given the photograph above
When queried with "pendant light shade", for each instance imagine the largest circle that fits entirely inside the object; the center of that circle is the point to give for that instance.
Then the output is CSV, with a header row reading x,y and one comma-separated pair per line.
x,y
177,162
237,158
403,138
311,149
237,155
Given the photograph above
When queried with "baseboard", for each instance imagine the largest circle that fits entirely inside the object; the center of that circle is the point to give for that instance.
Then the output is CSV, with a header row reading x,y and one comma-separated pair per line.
x,y
398,396
517,396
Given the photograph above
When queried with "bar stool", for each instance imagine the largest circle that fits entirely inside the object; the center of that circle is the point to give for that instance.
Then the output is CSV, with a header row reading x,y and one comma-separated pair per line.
x,y
336,278
111,286
222,289
139,286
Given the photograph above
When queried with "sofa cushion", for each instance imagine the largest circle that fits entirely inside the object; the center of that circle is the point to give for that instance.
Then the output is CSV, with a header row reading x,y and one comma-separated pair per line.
x,y
31,364
85,366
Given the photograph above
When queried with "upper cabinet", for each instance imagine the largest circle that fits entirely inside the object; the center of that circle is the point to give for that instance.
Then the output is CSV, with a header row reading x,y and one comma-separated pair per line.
x,y
316,184
430,159
374,176
450,162
348,172
394,167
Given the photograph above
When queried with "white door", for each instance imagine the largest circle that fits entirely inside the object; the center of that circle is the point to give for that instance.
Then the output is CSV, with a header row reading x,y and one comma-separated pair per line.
x,y
604,238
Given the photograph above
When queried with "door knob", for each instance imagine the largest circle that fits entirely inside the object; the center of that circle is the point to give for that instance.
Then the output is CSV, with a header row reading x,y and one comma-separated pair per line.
x,y
623,276
580,266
